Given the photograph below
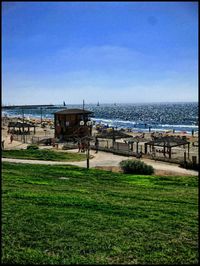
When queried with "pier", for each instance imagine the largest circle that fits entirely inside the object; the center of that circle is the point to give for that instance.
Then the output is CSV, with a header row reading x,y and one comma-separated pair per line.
x,y
27,106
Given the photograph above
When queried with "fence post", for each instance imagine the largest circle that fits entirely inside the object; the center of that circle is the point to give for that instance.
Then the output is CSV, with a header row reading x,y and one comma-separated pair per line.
x,y
184,156
141,148
194,160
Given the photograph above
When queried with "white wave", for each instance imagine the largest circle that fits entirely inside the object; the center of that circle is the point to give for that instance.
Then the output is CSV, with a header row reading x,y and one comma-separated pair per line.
x,y
174,125
114,121
171,126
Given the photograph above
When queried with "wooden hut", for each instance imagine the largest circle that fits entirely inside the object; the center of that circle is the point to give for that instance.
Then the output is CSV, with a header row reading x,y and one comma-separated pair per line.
x,y
67,124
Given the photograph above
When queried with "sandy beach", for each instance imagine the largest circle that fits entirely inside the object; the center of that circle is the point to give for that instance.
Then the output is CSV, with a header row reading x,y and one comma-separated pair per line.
x,y
103,160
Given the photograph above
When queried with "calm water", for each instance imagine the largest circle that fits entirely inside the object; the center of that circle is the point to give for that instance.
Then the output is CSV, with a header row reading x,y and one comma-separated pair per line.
x,y
138,117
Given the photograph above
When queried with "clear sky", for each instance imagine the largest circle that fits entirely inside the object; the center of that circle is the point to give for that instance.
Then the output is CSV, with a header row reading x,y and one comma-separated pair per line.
x,y
123,52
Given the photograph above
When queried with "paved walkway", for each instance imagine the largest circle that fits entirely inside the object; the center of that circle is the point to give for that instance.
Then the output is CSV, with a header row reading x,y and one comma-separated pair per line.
x,y
104,159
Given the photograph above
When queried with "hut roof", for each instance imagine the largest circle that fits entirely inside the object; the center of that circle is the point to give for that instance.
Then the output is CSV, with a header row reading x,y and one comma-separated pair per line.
x,y
110,134
168,141
73,111
20,124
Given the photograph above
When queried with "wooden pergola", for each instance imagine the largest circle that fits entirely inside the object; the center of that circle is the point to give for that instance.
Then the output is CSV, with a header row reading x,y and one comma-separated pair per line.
x,y
134,140
112,134
167,143
20,125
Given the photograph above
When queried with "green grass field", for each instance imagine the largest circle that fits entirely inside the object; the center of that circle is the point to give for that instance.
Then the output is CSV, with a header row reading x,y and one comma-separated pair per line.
x,y
41,154
97,217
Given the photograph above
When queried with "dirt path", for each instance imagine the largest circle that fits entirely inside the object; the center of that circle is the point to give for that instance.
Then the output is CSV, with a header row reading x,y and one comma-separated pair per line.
x,y
110,161
102,160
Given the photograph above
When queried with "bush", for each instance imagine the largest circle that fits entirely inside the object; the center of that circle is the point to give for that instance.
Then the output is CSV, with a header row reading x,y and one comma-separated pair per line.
x,y
32,147
136,167
189,165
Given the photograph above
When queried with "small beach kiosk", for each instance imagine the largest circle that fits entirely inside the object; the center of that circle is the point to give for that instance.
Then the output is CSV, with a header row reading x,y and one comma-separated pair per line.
x,y
72,124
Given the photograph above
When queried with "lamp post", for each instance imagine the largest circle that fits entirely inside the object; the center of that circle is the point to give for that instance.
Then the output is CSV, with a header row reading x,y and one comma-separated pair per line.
x,y
23,125
88,124
41,115
113,137
137,143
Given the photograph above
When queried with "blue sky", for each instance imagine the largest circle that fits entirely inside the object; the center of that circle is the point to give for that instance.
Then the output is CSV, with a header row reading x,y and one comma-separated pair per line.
x,y
123,52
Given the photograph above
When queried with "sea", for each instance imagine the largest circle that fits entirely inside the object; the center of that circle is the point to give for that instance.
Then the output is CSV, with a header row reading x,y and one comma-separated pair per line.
x,y
139,117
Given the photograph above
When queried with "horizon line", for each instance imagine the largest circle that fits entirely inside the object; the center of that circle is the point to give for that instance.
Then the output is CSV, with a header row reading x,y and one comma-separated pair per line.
x,y
95,103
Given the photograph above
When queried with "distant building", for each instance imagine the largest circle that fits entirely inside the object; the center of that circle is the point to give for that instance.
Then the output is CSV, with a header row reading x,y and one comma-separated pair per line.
x,y
67,124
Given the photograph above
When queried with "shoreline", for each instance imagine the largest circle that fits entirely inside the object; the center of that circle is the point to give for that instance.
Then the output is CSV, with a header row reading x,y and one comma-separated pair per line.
x,y
48,131
49,120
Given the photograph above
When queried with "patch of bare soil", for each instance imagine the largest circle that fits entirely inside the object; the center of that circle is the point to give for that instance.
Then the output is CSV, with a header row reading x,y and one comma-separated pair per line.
x,y
169,173
116,169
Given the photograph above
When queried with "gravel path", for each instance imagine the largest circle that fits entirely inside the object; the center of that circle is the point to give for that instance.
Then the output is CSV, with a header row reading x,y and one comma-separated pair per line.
x,y
103,159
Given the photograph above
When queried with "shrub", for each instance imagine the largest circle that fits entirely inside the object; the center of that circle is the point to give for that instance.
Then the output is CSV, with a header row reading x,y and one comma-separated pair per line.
x,y
136,167
32,147
189,165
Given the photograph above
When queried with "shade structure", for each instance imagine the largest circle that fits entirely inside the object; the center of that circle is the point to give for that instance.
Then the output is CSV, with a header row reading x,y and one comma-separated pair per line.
x,y
20,125
116,134
168,142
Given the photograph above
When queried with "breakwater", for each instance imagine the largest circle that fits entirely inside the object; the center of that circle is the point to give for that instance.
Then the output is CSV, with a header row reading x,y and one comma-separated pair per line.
x,y
6,107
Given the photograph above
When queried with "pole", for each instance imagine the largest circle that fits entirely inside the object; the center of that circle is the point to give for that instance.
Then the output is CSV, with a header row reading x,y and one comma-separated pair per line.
x,y
170,152
113,137
137,147
88,155
23,125
188,150
41,114
145,148
141,148
83,104
84,111
184,157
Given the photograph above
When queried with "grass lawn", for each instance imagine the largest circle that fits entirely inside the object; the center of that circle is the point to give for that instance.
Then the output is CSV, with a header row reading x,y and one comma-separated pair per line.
x,y
41,154
97,217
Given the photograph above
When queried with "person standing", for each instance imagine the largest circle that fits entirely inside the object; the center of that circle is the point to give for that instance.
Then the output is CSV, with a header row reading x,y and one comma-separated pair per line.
x,y
192,132
11,138
2,144
96,145
79,146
